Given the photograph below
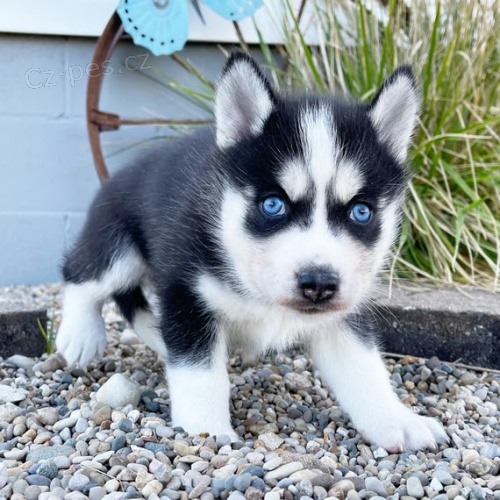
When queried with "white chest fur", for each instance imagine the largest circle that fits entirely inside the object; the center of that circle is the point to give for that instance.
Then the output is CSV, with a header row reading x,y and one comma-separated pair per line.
x,y
259,326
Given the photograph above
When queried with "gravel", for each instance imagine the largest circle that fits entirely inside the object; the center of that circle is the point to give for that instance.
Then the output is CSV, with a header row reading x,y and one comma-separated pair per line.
x,y
60,440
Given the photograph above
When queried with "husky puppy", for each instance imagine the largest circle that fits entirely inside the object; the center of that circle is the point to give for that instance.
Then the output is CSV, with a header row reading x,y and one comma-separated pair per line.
x,y
265,231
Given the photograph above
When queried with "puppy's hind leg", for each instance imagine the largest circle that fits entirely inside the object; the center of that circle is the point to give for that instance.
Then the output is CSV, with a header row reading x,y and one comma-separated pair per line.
x,y
137,311
82,334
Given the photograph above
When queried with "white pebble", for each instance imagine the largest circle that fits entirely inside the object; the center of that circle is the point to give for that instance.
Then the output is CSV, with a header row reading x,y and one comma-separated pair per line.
x,y
119,391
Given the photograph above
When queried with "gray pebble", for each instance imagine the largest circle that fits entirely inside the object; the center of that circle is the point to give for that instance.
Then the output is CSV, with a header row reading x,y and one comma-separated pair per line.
x,y
414,487
452,491
305,487
443,476
236,495
78,482
119,442
81,425
155,447
285,482
481,466
229,483
125,425
207,496
386,464
163,473
436,484
20,486
65,422
38,480
452,454
200,487
171,494
425,373
324,480
222,440
163,431
374,484
47,416
468,378
320,493
255,470
48,469
32,492
242,482
258,483
490,451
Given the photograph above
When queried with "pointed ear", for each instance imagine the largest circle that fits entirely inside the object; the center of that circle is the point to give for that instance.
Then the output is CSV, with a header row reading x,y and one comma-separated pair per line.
x,y
394,110
243,101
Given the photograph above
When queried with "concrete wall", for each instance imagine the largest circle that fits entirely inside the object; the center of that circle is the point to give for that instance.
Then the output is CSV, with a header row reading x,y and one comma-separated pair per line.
x,y
47,179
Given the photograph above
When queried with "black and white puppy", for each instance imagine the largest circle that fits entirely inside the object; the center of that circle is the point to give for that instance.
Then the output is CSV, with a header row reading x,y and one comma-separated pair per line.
x,y
265,231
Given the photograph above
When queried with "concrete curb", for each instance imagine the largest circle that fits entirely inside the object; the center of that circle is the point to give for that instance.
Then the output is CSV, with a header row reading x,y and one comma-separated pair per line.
x,y
461,325
19,330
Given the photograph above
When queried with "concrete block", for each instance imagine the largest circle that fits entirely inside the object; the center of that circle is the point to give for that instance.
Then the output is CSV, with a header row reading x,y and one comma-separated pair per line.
x,y
30,85
462,326
46,166
31,247
19,330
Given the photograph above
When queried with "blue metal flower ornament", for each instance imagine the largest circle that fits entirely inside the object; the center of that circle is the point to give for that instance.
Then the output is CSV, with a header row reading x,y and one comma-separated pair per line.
x,y
235,10
162,25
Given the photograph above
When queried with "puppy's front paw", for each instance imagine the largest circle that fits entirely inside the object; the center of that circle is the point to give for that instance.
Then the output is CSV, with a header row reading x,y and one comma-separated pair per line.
x,y
81,338
403,430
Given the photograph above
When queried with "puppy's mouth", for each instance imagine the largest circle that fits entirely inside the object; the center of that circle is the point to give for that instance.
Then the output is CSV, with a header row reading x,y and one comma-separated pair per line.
x,y
311,308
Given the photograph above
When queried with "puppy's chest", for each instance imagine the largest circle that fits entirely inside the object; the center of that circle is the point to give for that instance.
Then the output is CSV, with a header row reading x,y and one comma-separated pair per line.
x,y
259,326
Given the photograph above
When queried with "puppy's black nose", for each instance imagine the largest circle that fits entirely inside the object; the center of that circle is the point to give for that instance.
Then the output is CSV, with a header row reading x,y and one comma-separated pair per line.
x,y
318,285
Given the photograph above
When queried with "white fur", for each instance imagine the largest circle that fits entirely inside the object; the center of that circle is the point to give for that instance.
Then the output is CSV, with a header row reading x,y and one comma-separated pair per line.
x,y
324,161
196,387
294,180
348,181
242,104
257,325
146,327
361,384
394,115
82,335
320,148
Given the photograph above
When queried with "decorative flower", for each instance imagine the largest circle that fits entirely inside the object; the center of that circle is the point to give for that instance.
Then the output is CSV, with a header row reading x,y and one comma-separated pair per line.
x,y
162,25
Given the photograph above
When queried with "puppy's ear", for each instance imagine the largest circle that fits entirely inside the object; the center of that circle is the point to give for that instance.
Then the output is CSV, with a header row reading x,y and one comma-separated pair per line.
x,y
394,110
243,101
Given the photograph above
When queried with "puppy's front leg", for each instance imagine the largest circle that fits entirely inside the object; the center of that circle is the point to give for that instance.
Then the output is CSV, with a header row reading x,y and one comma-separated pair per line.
x,y
355,371
199,394
196,364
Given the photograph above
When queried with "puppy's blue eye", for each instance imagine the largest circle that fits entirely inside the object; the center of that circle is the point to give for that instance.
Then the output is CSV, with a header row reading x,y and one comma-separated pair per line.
x,y
361,213
273,206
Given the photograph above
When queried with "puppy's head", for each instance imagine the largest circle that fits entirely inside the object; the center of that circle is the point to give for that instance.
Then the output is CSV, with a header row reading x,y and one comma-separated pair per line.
x,y
313,187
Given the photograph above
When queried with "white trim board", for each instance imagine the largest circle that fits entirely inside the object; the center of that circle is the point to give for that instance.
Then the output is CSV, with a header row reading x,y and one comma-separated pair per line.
x,y
89,17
